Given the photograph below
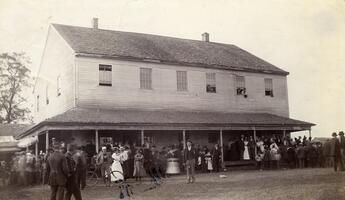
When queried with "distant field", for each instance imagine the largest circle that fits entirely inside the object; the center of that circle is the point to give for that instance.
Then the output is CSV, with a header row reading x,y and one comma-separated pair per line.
x,y
297,184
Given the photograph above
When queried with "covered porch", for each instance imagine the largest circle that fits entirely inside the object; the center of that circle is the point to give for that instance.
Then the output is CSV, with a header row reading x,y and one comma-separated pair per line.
x,y
94,128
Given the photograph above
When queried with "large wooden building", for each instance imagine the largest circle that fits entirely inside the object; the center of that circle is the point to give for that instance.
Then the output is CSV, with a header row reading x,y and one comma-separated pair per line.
x,y
96,84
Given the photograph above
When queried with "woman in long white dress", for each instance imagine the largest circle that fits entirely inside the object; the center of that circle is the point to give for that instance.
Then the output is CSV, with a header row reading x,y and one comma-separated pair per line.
x,y
116,166
246,150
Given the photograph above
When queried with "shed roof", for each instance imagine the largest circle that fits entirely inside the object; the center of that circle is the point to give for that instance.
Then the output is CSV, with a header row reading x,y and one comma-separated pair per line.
x,y
169,50
88,116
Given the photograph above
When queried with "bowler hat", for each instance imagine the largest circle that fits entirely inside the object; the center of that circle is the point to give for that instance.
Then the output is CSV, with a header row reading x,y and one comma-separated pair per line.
x,y
341,133
334,134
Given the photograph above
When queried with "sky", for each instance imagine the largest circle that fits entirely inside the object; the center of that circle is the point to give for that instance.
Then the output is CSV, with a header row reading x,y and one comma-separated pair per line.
x,y
304,37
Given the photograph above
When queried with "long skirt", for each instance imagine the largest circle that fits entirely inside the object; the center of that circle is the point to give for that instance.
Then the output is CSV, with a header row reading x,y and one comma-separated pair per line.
x,y
116,176
139,170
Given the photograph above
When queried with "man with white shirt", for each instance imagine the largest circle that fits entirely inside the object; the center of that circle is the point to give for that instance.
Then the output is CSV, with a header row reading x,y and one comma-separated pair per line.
x,y
189,158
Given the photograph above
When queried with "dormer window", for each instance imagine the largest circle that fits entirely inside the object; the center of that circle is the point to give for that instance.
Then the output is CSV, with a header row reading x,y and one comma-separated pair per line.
x,y
268,87
105,75
240,85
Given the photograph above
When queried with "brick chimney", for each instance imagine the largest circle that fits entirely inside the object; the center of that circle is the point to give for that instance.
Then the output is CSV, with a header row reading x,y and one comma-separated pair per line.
x,y
95,23
205,37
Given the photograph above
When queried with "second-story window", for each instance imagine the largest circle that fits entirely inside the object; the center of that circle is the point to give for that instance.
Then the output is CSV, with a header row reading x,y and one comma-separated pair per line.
x,y
240,85
146,78
182,84
105,75
268,87
38,103
211,82
47,95
58,89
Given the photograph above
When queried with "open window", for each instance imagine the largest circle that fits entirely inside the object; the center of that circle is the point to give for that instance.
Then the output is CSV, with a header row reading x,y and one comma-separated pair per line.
x,y
240,86
211,82
268,87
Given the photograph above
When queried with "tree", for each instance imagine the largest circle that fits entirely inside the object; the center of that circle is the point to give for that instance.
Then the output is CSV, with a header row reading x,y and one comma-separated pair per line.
x,y
14,80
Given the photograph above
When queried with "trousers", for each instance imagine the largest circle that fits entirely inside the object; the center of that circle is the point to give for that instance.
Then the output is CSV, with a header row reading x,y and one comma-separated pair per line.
x,y
190,167
57,192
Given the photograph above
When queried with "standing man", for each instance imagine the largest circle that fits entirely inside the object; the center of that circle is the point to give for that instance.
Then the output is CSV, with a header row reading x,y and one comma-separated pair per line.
x,y
104,160
216,157
81,165
342,148
189,158
72,185
57,172
335,152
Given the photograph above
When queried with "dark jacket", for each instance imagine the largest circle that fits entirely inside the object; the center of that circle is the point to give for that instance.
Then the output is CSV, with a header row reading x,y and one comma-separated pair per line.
x,y
342,142
189,155
335,147
57,169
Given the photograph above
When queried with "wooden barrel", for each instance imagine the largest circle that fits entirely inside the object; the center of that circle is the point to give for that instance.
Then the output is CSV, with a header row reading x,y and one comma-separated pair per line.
x,y
173,166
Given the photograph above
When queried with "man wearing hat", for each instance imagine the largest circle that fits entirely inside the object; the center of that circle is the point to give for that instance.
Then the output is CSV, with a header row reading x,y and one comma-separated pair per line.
x,y
57,172
189,158
342,147
72,185
104,160
335,152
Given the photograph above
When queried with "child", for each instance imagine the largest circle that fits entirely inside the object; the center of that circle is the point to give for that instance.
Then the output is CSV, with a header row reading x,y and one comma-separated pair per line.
x,y
208,159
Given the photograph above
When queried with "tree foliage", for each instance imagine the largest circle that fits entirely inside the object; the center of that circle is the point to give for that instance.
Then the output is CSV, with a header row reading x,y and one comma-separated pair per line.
x,y
14,80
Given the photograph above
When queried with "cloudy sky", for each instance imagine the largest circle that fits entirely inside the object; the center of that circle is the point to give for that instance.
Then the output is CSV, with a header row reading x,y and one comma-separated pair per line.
x,y
304,37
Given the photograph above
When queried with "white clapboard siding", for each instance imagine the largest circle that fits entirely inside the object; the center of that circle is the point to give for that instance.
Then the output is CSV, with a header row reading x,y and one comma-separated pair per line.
x,y
125,92
57,60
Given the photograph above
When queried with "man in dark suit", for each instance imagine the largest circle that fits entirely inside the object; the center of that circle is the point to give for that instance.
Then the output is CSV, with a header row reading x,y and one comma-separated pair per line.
x,y
72,185
342,148
57,171
189,159
335,152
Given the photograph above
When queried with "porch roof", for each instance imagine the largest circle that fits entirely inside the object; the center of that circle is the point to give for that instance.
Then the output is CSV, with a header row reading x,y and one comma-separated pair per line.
x,y
174,119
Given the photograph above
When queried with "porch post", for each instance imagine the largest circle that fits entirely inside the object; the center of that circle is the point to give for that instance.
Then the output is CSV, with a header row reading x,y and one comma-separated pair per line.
x,y
36,149
221,144
284,133
255,149
310,132
184,138
96,141
142,137
47,141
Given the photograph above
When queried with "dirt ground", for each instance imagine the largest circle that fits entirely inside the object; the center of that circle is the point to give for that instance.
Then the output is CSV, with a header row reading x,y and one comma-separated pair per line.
x,y
297,184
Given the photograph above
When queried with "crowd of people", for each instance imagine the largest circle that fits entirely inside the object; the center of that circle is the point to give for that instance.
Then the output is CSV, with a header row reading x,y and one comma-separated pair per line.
x,y
117,162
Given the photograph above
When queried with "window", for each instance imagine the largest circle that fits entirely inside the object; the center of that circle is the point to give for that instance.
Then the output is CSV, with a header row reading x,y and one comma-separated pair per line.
x,y
58,89
181,77
146,78
211,82
268,87
240,85
38,103
105,75
47,97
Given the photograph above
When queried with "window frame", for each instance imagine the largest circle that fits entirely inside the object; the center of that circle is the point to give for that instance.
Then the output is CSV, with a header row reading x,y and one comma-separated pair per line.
x,y
240,83
105,72
268,87
181,81
145,78
58,88
211,82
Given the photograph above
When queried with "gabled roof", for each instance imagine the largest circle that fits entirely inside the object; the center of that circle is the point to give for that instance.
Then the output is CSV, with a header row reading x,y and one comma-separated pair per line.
x,y
168,50
102,117
12,129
